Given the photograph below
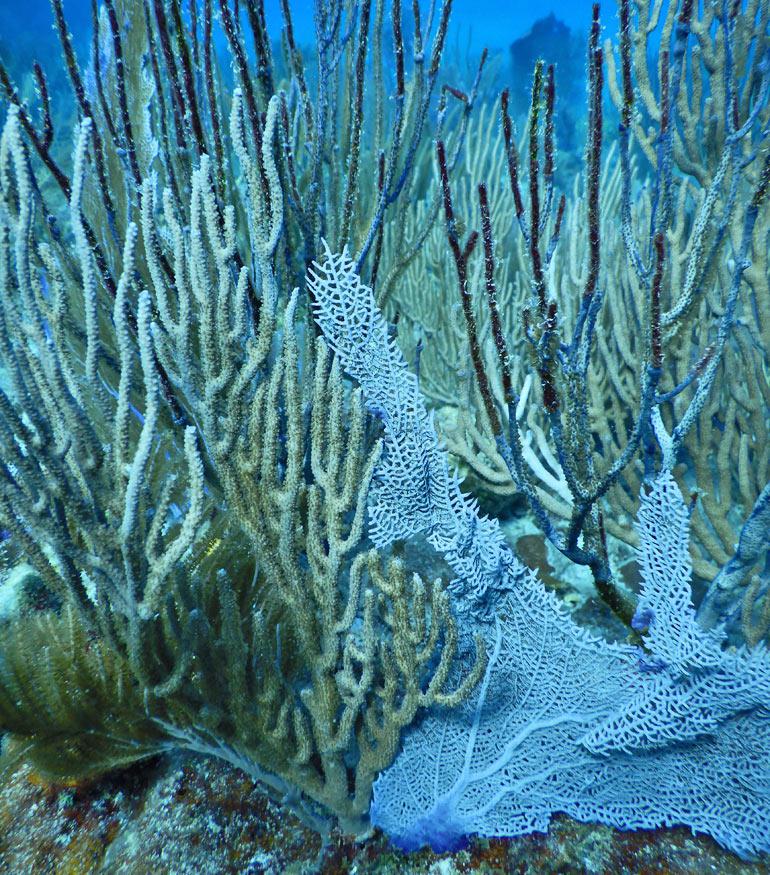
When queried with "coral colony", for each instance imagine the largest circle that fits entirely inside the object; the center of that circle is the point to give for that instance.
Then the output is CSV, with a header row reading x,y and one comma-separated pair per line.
x,y
266,336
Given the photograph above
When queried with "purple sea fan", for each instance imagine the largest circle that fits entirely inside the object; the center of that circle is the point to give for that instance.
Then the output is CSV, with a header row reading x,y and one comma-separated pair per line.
x,y
563,721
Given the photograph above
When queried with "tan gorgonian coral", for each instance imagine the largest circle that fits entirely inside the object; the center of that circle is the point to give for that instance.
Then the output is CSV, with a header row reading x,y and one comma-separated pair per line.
x,y
184,465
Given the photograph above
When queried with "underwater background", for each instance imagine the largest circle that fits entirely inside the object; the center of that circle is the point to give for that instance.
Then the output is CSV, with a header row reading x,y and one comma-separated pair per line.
x,y
384,436
486,23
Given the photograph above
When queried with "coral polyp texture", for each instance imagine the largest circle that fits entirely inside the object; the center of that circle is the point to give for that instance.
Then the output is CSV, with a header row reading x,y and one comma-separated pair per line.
x,y
276,322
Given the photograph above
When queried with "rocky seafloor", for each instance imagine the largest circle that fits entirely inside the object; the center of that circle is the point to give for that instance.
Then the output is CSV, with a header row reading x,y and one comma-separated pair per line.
x,y
183,816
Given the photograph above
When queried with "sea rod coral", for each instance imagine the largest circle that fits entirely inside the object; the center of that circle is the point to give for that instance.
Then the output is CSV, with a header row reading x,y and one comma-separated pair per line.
x,y
183,464
662,200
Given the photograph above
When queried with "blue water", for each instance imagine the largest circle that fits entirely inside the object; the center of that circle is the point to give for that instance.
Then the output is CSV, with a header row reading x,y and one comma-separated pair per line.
x,y
25,28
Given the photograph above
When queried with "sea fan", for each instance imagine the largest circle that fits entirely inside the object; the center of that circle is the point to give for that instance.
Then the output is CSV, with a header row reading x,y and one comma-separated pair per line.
x,y
674,733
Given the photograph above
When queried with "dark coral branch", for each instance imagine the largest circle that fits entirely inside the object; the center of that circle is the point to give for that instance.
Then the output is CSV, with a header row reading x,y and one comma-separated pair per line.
x,y
685,15
239,57
296,64
177,98
165,151
381,230
545,361
65,38
356,122
665,107
624,146
512,156
438,42
461,254
120,82
548,135
188,79
97,67
42,150
419,54
534,189
398,48
45,104
594,154
498,334
456,93
697,369
554,241
549,153
194,33
295,199
656,352
255,11
211,96
625,63
760,193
